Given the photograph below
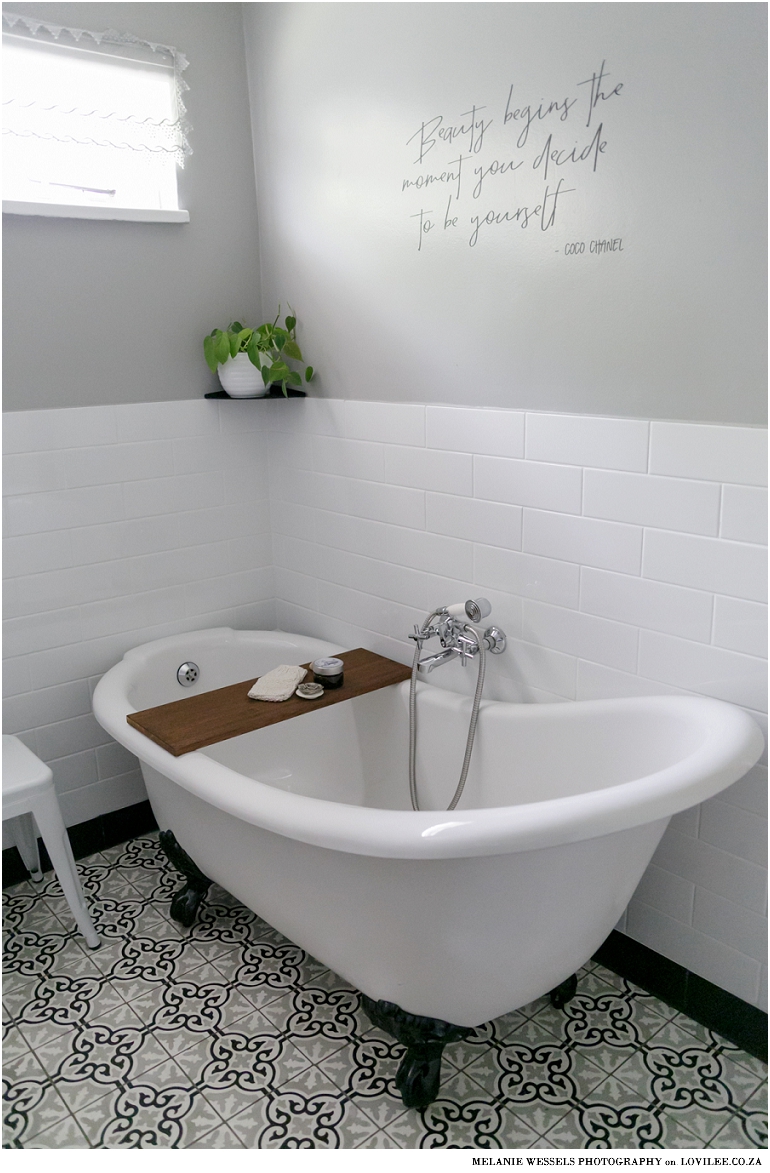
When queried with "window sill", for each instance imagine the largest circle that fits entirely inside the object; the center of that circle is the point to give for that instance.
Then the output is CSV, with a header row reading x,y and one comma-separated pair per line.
x,y
77,212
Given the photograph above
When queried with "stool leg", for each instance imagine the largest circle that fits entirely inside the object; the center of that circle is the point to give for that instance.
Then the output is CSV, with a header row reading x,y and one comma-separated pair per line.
x,y
51,824
24,836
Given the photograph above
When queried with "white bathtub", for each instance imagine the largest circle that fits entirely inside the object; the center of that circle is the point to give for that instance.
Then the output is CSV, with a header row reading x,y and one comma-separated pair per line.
x,y
458,916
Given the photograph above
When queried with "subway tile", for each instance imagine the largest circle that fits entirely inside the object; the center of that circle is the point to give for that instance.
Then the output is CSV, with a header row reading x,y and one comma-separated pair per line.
x,y
663,502
247,416
298,521
727,568
69,737
598,682
296,554
227,590
668,893
34,633
168,568
109,616
305,487
717,963
389,503
174,494
604,544
584,636
348,458
38,512
114,759
45,706
686,822
591,441
123,539
525,482
292,587
289,450
243,483
422,468
430,552
192,454
56,428
321,417
726,675
33,472
488,522
388,423
398,583
543,668
479,430
72,586
741,626
117,462
78,661
200,526
729,828
74,771
731,924
750,792
356,607
34,553
516,573
728,875
711,452
250,553
658,606
744,514
358,535
165,421
16,675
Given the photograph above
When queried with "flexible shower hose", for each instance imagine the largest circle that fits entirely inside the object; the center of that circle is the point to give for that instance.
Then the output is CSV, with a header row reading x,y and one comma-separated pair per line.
x,y
471,728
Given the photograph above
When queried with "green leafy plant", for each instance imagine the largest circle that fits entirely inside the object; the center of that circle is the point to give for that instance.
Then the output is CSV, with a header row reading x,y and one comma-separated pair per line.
x,y
268,341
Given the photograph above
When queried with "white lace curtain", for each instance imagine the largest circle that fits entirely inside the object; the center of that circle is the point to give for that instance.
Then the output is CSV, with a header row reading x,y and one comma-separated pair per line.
x,y
77,94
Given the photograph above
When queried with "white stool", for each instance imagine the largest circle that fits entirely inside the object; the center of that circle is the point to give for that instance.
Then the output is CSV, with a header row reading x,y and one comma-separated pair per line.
x,y
28,790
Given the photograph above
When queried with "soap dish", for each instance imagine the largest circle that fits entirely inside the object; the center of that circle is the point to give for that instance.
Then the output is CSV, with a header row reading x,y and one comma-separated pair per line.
x,y
310,691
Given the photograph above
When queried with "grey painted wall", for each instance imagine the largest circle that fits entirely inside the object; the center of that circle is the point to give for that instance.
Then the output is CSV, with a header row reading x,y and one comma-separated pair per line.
x,y
672,326
99,312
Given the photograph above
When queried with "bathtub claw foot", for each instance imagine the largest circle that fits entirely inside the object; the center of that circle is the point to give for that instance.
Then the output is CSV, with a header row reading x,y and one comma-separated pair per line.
x,y
185,904
419,1073
564,992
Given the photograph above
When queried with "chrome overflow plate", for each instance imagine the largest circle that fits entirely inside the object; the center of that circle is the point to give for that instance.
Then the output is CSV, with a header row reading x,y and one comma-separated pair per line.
x,y
187,673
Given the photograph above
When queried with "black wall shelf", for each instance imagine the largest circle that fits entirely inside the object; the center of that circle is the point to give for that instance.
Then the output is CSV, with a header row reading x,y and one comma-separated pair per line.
x,y
273,393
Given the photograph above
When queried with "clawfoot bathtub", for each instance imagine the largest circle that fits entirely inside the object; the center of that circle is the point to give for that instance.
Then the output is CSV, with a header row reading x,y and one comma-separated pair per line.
x,y
454,916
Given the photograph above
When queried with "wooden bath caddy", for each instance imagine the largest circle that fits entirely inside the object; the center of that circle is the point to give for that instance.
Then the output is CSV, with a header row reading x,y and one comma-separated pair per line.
x,y
208,717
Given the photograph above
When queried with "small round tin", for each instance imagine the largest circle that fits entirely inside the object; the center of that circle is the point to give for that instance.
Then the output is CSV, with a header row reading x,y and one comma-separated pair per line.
x,y
328,672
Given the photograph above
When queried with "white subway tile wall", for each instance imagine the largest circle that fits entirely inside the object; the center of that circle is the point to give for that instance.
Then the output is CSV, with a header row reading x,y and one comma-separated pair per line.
x,y
621,556
122,524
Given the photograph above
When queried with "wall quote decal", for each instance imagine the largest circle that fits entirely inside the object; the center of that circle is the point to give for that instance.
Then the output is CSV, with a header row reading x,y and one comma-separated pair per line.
x,y
485,171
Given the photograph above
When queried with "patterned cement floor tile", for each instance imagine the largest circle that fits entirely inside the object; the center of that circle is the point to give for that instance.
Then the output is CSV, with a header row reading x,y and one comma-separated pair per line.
x,y
308,1112
228,1035
30,1102
66,1134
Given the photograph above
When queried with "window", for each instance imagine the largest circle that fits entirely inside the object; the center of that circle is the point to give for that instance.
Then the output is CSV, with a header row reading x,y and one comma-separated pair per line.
x,y
92,123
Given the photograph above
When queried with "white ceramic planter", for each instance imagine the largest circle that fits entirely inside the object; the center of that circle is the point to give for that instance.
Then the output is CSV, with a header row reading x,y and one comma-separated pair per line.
x,y
241,379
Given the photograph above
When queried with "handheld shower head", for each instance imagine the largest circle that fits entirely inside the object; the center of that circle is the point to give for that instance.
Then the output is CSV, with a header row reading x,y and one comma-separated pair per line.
x,y
473,609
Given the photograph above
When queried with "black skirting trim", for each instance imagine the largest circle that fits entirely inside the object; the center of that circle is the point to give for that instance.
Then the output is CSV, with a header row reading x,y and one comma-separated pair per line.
x,y
736,1020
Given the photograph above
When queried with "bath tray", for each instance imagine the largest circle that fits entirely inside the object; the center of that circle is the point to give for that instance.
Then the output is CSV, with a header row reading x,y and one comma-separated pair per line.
x,y
208,717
